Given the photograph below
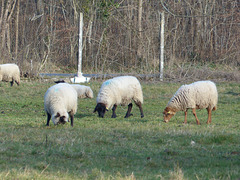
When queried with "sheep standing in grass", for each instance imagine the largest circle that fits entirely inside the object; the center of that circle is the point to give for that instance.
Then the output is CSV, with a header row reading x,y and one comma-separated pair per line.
x,y
83,91
198,95
60,101
119,91
10,73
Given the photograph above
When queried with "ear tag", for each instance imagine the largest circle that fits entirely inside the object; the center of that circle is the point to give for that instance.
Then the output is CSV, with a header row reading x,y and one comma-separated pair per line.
x,y
169,112
106,108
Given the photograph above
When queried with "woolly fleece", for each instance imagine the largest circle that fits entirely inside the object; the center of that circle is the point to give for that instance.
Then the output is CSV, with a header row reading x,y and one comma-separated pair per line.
x,y
60,98
120,91
83,91
199,95
10,73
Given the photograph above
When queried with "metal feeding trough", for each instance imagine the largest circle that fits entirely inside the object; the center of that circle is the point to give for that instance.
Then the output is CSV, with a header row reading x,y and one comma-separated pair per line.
x,y
80,79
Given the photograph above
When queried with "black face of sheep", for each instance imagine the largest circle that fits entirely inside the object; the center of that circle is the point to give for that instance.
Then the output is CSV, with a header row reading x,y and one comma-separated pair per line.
x,y
62,120
101,109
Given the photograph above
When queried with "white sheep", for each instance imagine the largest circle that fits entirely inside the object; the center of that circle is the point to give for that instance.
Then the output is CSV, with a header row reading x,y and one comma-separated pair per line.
x,y
60,101
83,91
198,95
119,91
10,72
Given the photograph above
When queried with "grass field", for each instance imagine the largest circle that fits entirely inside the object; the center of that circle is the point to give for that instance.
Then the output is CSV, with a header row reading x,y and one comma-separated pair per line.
x,y
133,148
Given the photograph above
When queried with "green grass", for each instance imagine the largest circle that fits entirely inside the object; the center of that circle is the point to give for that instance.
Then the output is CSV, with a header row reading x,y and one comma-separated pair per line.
x,y
96,148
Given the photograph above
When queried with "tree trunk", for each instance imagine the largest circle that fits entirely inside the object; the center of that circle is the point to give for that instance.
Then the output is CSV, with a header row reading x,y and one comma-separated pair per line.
x,y
17,32
139,51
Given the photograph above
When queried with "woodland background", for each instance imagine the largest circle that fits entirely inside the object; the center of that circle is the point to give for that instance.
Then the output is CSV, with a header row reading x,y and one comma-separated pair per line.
x,y
121,36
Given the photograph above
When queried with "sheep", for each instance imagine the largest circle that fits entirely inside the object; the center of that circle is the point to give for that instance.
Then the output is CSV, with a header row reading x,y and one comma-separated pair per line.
x,y
83,91
10,72
60,101
119,91
198,95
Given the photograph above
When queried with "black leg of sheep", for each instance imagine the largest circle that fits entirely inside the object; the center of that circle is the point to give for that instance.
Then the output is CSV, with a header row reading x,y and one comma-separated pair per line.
x,y
129,110
71,118
48,119
114,109
140,108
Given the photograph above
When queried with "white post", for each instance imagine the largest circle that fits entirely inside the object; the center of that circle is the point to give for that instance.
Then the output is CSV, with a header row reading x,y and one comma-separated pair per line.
x,y
80,78
161,58
79,73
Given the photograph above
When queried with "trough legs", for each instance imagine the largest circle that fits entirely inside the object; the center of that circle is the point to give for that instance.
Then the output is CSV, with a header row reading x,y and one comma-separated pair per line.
x,y
114,109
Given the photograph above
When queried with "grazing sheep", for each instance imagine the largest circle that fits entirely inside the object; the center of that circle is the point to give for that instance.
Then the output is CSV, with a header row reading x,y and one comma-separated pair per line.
x,y
60,101
10,72
83,91
198,95
119,91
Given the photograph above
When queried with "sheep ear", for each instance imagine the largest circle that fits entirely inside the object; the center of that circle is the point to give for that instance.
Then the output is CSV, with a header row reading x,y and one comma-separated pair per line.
x,y
57,115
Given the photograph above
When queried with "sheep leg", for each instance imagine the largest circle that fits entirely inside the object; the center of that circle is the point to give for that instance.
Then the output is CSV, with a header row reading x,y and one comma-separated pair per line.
x,y
129,111
185,120
209,116
48,119
194,113
11,83
72,118
140,108
17,82
114,109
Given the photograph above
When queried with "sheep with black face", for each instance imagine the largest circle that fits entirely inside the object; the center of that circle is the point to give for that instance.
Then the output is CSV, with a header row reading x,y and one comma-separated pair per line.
x,y
60,101
119,91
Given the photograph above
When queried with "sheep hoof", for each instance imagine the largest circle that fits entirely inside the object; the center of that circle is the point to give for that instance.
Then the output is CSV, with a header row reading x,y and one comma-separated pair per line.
x,y
142,116
128,115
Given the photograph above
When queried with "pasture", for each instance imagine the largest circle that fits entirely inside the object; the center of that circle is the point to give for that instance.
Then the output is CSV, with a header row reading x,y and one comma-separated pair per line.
x,y
133,148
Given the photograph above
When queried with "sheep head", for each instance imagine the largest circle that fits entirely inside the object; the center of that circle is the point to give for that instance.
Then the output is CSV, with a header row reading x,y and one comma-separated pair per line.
x,y
101,109
60,118
168,113
89,93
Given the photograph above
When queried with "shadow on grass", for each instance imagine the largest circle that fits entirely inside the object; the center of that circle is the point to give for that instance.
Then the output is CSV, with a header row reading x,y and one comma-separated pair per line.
x,y
83,115
233,93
